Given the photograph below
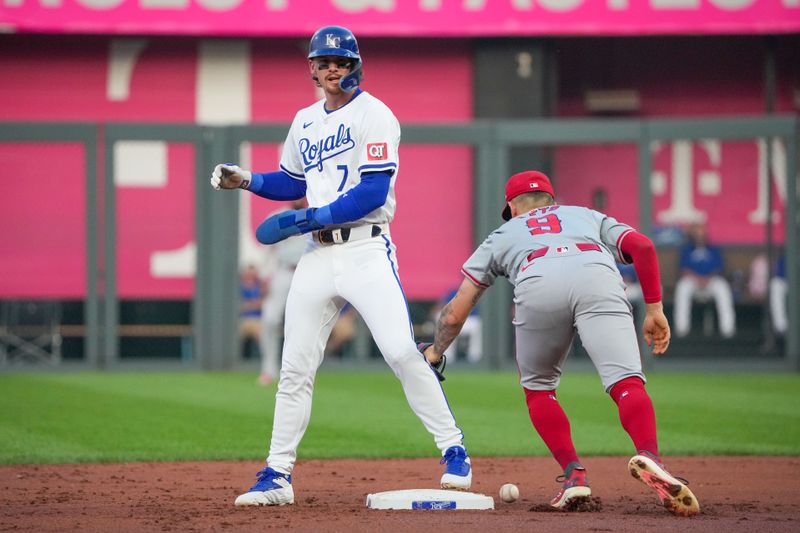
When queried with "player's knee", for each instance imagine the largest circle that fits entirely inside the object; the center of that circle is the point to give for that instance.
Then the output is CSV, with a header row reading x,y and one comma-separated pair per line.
x,y
296,374
532,397
631,384
397,357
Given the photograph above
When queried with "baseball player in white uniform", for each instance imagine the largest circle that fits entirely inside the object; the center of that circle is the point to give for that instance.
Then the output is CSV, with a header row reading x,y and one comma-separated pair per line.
x,y
341,153
561,261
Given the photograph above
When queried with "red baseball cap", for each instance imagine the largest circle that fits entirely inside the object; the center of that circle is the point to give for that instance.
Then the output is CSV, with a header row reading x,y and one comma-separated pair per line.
x,y
528,181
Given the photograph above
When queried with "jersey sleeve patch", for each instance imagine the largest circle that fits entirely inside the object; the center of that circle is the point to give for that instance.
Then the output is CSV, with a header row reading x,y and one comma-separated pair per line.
x,y
377,152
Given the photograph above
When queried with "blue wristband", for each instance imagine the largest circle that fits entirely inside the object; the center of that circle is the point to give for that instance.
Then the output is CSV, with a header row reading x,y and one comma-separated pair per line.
x,y
256,182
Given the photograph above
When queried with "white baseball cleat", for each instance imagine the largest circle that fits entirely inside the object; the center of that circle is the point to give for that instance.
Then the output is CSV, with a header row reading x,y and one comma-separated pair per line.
x,y
675,496
458,470
272,488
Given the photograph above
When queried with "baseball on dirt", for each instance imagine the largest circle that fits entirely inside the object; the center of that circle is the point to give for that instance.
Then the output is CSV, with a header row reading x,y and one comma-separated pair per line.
x,y
509,493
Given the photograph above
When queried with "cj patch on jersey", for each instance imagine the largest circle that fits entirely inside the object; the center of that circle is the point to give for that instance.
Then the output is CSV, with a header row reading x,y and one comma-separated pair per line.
x,y
377,152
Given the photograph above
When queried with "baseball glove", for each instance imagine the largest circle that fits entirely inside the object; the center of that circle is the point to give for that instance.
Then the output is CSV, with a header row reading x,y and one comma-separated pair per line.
x,y
438,368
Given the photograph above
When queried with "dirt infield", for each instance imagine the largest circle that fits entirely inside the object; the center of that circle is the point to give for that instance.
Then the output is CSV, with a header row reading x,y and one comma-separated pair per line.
x,y
736,494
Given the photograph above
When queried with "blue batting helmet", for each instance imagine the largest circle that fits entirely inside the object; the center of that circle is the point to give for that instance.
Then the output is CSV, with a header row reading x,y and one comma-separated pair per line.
x,y
338,41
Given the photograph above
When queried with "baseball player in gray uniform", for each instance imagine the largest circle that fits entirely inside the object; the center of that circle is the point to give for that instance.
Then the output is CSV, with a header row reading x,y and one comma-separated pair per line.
x,y
561,261
341,153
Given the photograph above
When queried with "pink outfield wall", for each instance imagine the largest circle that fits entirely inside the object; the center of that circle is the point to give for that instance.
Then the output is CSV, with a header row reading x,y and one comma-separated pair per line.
x,y
724,183
43,245
402,17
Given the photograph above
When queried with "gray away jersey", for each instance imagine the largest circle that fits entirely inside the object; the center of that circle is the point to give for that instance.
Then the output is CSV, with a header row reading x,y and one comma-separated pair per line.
x,y
509,250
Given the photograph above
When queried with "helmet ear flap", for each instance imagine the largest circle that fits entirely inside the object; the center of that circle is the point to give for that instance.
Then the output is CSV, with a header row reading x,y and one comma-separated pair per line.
x,y
351,82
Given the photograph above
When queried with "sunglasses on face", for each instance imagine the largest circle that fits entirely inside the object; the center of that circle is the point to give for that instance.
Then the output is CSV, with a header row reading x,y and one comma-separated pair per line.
x,y
340,63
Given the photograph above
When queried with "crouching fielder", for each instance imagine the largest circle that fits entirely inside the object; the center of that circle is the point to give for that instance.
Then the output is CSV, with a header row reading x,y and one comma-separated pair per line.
x,y
561,261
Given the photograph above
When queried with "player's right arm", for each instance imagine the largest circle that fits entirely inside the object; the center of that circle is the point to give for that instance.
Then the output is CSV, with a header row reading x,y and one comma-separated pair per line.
x,y
288,183
480,271
452,318
272,185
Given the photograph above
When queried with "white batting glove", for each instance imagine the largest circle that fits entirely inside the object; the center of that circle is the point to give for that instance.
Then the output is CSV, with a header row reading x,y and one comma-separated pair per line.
x,y
228,176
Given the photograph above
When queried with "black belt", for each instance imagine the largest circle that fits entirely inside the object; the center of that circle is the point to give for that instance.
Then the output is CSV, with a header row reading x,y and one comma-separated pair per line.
x,y
341,235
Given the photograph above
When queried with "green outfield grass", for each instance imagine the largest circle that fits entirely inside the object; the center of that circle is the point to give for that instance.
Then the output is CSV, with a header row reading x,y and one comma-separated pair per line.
x,y
94,417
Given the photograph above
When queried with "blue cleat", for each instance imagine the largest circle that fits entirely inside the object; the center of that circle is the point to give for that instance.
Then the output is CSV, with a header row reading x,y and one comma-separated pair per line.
x,y
458,470
271,488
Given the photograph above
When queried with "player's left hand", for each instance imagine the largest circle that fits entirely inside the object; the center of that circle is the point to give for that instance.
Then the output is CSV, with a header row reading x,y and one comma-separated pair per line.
x,y
286,224
656,328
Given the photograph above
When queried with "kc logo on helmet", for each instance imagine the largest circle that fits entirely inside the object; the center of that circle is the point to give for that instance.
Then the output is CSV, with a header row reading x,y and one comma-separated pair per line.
x,y
376,152
332,40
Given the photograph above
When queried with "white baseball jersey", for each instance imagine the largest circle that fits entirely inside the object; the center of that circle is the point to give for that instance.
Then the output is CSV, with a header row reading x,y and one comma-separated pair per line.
x,y
330,150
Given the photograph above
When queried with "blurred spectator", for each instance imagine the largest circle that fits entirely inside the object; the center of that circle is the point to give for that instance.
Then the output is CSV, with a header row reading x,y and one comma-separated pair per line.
x,y
471,333
701,269
632,288
343,332
759,272
251,296
282,259
778,291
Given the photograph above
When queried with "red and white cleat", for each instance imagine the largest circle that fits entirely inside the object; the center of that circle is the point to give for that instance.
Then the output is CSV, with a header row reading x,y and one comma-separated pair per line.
x,y
673,492
575,488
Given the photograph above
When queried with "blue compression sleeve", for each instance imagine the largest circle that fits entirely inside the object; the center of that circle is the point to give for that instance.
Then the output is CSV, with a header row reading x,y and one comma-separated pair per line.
x,y
277,186
362,199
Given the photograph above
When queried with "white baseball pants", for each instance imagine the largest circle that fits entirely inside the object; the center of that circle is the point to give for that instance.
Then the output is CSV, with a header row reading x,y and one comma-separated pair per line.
x,y
364,273
717,288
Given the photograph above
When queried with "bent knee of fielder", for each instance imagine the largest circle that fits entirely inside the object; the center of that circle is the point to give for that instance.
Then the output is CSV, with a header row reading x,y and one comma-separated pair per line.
x,y
628,384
